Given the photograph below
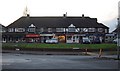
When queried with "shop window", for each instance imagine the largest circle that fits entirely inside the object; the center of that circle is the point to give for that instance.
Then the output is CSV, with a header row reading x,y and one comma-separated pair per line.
x,y
61,38
69,37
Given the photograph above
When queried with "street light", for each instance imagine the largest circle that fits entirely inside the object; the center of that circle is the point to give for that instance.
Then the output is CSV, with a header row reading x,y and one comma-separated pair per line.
x,y
118,40
118,32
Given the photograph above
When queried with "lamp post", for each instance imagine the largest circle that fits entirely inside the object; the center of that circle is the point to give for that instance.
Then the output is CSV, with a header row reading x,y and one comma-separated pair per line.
x,y
118,32
118,36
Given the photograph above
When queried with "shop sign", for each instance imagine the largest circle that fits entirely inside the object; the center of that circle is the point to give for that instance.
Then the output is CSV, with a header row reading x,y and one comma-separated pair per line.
x,y
47,34
32,35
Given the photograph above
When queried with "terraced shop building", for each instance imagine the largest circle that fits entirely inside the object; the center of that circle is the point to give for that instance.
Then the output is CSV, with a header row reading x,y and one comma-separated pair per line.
x,y
68,29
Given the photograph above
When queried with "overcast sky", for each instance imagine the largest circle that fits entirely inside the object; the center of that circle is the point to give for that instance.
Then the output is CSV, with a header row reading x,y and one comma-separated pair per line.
x,y
106,11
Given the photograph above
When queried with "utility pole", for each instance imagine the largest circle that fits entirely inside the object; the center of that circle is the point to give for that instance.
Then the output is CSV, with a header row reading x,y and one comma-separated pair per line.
x,y
118,32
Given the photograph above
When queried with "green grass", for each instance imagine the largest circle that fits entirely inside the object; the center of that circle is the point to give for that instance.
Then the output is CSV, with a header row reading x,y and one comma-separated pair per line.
x,y
58,46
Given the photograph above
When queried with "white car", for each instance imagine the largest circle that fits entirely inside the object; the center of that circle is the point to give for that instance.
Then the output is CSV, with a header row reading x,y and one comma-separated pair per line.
x,y
115,40
53,40
86,40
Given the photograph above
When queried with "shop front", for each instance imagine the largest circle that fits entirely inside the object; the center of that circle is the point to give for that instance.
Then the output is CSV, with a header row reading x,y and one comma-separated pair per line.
x,y
72,38
32,38
44,37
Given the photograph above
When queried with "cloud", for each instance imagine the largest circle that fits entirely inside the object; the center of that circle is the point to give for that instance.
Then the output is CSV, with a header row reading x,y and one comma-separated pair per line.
x,y
112,24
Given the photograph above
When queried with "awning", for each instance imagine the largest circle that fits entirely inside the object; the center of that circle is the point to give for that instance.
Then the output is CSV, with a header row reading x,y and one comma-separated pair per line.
x,y
32,35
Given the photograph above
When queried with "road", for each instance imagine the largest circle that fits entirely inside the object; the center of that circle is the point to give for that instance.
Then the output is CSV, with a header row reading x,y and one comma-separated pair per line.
x,y
31,61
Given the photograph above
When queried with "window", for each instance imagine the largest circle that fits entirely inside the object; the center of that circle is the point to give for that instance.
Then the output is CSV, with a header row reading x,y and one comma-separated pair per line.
x,y
69,37
60,30
49,29
31,29
106,31
11,30
41,30
91,29
100,29
19,29
71,28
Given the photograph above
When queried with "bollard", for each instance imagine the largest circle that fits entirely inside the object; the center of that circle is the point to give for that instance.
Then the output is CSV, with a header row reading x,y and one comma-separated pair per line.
x,y
86,51
100,53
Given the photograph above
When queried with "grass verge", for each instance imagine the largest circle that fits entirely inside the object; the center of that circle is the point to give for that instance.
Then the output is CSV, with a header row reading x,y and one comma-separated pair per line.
x,y
59,46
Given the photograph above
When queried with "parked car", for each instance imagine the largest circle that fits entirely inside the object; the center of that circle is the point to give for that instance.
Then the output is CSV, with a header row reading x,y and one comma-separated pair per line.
x,y
97,40
115,40
86,40
53,40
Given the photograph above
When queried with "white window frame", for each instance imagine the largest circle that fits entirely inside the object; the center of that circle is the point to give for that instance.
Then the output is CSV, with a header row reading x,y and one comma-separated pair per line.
x,y
49,29
106,31
100,29
31,29
19,29
91,29
10,29
60,29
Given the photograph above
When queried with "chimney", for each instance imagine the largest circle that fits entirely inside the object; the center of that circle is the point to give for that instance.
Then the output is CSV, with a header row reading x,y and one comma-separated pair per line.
x,y
82,15
28,15
65,15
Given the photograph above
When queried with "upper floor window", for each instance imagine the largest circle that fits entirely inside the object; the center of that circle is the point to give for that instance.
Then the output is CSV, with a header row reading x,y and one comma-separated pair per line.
x,y
60,30
11,30
91,29
31,29
2,30
100,29
49,29
41,30
106,31
19,29
71,28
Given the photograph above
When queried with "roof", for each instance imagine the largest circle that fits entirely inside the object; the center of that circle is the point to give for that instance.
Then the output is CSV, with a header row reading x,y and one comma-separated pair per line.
x,y
117,30
2,26
52,22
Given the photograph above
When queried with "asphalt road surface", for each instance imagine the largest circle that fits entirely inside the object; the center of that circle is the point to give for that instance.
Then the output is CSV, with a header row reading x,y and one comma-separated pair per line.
x,y
30,61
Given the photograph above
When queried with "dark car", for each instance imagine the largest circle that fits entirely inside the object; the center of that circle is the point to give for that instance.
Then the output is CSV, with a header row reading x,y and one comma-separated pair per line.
x,y
96,41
